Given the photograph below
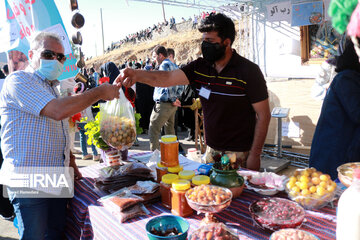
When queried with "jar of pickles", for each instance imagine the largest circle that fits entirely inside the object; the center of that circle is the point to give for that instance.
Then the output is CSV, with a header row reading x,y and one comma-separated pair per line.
x,y
161,170
186,174
200,180
179,204
165,189
169,146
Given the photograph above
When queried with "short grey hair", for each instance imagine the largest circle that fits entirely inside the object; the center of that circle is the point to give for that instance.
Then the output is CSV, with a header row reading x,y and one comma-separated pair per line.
x,y
38,40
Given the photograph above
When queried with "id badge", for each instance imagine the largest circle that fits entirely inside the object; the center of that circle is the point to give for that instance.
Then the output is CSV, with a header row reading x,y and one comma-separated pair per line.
x,y
205,93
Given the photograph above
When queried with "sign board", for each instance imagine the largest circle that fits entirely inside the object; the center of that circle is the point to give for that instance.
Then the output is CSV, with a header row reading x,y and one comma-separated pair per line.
x,y
309,13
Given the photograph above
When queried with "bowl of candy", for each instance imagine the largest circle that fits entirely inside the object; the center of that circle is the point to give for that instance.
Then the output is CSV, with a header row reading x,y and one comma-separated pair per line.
x,y
208,199
311,188
290,234
277,213
167,227
345,172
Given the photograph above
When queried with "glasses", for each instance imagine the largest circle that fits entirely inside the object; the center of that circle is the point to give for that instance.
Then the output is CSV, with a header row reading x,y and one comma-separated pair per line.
x,y
50,55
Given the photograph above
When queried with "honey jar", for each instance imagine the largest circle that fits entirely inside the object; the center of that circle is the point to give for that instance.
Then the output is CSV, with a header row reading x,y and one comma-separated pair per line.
x,y
165,186
161,170
175,169
186,174
179,204
169,146
200,180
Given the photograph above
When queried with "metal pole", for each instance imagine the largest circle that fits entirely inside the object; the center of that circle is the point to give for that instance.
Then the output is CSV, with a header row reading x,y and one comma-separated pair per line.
x,y
162,4
102,30
279,137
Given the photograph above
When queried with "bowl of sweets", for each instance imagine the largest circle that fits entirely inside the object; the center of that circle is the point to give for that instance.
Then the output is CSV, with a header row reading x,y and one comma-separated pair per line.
x,y
276,213
311,188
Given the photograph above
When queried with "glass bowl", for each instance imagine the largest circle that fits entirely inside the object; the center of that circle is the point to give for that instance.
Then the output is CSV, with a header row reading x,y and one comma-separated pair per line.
x,y
277,213
208,198
345,172
311,188
290,233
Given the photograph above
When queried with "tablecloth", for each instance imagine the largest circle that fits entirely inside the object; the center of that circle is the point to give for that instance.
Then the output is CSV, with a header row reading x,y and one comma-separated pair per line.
x,y
88,219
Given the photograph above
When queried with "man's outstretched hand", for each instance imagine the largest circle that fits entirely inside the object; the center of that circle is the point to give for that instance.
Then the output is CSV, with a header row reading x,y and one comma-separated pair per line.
x,y
127,77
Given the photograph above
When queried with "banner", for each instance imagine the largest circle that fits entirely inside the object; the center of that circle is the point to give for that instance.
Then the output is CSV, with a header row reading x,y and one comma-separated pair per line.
x,y
23,19
279,12
307,13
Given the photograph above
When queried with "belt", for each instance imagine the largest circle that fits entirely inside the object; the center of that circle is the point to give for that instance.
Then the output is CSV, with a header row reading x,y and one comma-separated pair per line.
x,y
158,102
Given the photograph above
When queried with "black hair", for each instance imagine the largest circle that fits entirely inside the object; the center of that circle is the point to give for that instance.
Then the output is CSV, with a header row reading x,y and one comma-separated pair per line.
x,y
160,49
170,51
348,59
219,23
92,70
6,69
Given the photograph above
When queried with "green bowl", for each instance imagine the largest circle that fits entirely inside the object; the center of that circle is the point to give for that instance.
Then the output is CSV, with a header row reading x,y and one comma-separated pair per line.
x,y
168,220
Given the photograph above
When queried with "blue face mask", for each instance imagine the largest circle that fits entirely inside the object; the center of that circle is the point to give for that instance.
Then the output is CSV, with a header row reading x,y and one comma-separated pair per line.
x,y
50,69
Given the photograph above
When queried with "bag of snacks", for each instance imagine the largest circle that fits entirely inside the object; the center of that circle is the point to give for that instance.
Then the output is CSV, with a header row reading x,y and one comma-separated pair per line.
x,y
120,200
117,123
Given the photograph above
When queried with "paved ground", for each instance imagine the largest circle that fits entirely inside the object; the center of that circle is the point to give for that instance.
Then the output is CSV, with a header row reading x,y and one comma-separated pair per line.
x,y
9,232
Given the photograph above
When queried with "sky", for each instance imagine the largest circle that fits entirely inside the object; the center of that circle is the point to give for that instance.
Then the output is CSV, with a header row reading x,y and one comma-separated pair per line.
x,y
119,19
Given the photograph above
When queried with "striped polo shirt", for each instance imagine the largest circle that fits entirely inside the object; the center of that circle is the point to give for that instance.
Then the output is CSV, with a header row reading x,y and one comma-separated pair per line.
x,y
229,117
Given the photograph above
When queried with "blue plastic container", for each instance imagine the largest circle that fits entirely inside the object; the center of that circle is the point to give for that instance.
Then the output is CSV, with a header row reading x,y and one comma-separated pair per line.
x,y
168,220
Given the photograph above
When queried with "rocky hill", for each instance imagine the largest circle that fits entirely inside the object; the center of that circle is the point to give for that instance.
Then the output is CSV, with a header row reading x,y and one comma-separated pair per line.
x,y
183,39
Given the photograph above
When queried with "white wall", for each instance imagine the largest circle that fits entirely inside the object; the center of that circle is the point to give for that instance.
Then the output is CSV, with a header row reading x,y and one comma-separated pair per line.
x,y
277,50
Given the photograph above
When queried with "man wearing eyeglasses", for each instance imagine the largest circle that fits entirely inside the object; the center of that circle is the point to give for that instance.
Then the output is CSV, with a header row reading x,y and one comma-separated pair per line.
x,y
35,132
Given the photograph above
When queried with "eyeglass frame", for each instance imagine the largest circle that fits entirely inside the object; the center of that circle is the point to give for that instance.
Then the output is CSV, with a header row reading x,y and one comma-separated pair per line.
x,y
58,56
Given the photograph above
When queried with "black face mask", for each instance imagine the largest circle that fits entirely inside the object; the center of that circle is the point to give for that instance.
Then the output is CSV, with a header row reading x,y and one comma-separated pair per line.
x,y
212,51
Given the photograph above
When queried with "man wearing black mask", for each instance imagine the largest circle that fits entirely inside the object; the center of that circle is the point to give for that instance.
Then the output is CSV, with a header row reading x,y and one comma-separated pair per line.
x,y
232,91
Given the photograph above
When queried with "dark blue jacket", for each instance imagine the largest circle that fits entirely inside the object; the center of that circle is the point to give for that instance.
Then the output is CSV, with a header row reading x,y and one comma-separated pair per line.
x,y
337,135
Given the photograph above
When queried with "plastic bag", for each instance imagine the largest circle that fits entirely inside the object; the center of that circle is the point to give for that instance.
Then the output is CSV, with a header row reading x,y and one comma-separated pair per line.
x,y
117,123
120,200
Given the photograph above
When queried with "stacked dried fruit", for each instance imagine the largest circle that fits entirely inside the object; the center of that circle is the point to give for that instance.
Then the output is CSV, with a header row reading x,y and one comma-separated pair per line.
x,y
311,188
277,213
118,132
208,195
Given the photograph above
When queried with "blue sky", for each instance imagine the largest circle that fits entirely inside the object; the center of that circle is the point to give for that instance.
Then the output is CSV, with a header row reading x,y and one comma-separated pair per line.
x,y
119,19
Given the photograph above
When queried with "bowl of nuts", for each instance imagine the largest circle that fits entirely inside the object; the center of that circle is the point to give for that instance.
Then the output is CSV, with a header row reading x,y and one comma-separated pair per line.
x,y
208,199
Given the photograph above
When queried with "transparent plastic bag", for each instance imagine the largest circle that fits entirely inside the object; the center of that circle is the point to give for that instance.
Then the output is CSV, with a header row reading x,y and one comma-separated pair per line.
x,y
117,123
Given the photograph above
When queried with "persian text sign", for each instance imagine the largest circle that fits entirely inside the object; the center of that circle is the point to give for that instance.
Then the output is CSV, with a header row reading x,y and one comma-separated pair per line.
x,y
27,17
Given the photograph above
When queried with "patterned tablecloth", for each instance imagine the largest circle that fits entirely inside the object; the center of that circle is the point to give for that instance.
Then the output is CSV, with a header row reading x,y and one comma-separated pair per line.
x,y
88,219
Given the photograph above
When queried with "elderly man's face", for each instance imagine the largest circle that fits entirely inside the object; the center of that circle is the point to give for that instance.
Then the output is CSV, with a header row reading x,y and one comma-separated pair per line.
x,y
50,50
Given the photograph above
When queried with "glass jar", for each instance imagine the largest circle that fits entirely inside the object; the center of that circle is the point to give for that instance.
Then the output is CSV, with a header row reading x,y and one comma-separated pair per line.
x,y
179,204
186,174
176,169
161,170
169,146
200,180
165,186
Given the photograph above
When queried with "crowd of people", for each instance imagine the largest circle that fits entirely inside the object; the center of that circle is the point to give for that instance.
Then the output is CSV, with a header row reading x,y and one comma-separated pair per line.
x,y
147,33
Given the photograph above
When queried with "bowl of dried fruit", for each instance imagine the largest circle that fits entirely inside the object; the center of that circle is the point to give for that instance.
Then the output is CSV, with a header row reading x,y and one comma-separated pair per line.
x,y
277,213
167,227
290,234
311,188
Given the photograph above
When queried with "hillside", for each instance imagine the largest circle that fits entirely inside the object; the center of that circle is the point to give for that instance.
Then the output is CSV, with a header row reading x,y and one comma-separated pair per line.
x,y
184,40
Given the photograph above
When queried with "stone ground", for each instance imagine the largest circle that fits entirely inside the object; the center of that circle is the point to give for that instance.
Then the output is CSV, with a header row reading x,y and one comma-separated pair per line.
x,y
9,232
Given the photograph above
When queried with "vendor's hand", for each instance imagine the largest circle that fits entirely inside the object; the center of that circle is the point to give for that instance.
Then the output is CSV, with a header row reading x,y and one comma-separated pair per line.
x,y
77,173
109,92
253,162
177,103
127,77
